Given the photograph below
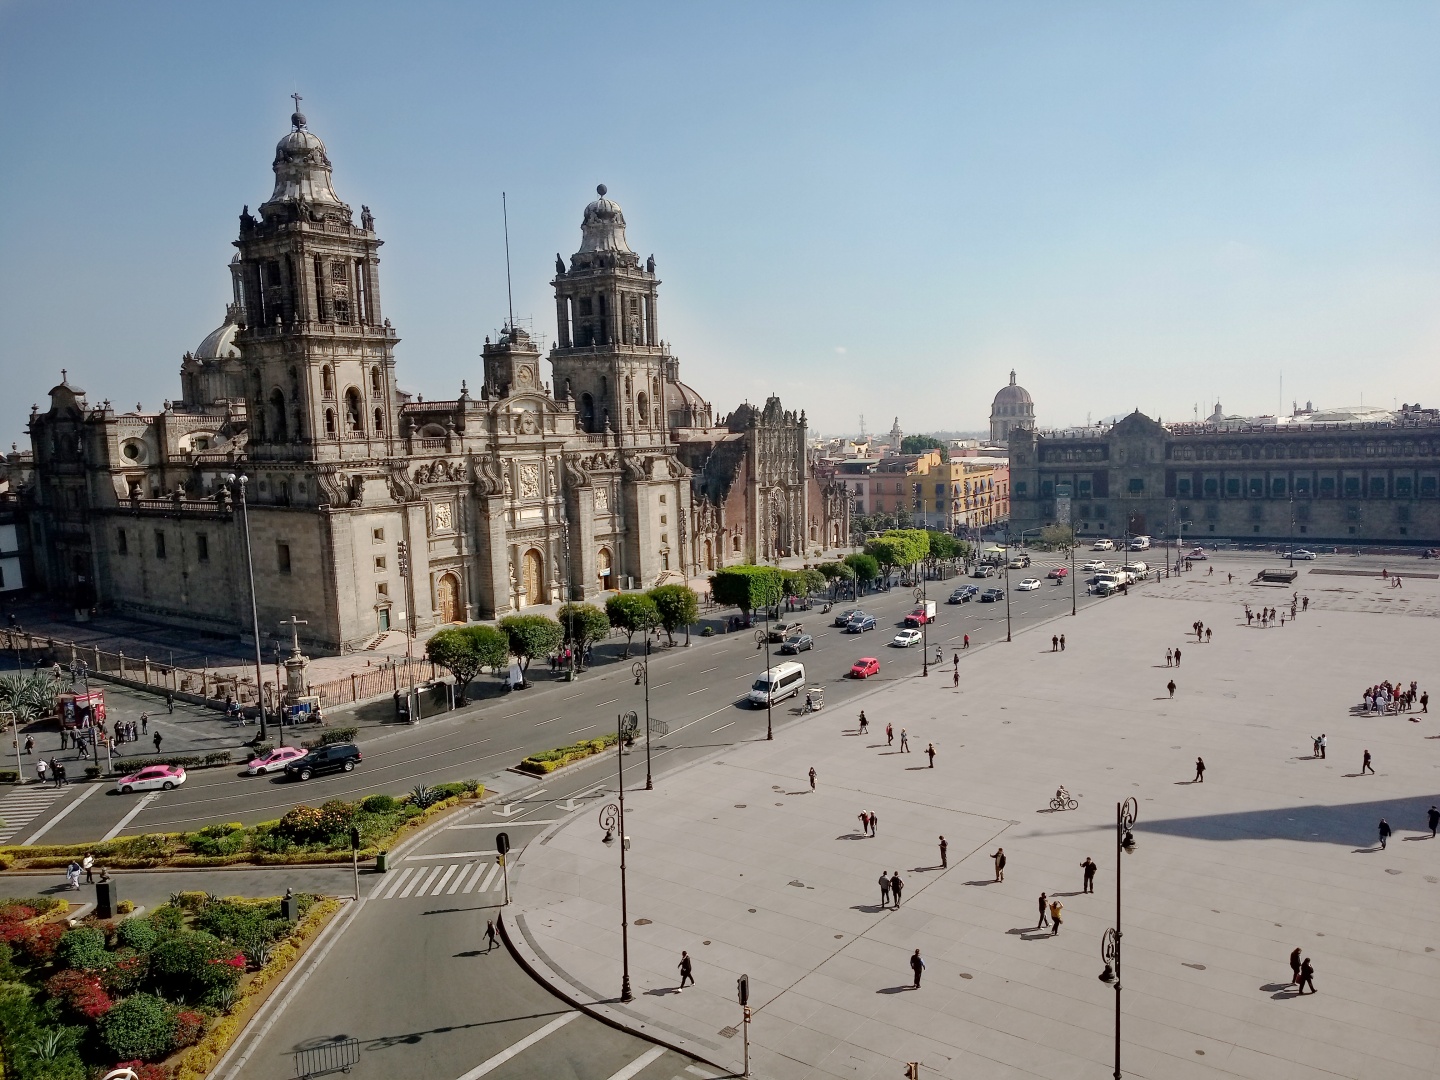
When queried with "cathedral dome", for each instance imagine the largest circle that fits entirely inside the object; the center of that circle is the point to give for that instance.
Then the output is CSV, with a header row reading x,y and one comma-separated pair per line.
x,y
302,168
603,226
219,344
1013,395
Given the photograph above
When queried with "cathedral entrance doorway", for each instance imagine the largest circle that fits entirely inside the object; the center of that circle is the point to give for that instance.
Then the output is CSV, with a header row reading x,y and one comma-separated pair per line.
x,y
709,556
534,577
604,569
447,598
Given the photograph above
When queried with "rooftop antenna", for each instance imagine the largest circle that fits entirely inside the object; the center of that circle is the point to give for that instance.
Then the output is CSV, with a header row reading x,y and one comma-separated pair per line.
x,y
505,211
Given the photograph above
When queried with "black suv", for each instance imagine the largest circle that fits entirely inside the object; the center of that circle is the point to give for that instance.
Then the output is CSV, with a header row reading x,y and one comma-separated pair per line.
x,y
324,759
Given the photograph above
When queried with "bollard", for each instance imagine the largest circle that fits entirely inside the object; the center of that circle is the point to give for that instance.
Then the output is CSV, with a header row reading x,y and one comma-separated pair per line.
x,y
106,899
290,907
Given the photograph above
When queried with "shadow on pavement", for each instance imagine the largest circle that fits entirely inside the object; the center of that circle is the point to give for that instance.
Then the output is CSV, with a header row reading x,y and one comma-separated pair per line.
x,y
1347,823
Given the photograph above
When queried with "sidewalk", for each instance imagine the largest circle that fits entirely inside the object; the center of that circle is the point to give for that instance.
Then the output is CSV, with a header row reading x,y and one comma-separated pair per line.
x,y
736,861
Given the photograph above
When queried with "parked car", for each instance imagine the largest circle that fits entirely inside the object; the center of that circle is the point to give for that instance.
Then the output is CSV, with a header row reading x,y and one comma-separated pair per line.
x,y
274,760
860,623
989,596
865,667
781,630
905,638
153,778
964,594
1059,573
337,757
1029,584
1103,545
984,570
845,616
798,643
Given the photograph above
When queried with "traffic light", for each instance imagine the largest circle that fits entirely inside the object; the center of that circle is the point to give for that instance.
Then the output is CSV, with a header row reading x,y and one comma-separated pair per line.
x,y
502,843
354,838
742,989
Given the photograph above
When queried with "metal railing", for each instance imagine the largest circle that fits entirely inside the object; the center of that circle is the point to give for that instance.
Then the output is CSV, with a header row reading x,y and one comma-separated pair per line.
x,y
331,1057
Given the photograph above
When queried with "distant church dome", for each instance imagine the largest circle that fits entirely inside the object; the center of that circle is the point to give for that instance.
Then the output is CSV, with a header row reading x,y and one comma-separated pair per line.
x,y
1013,408
603,226
219,344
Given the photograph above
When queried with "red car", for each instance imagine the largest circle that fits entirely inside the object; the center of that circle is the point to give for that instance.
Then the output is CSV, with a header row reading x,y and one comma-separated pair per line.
x,y
1059,573
865,667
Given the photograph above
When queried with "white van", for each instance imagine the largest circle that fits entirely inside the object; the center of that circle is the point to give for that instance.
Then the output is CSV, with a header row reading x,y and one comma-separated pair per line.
x,y
775,685
1140,543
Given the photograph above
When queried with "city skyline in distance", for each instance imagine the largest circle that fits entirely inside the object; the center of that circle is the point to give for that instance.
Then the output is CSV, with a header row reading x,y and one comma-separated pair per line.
x,y
877,213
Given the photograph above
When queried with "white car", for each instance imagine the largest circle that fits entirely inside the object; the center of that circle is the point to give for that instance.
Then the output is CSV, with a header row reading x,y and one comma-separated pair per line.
x,y
153,778
1028,584
1103,545
1298,553
905,638
1094,564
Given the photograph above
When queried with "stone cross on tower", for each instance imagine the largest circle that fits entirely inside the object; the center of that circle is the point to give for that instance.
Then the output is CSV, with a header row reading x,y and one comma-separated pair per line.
x,y
294,625
297,664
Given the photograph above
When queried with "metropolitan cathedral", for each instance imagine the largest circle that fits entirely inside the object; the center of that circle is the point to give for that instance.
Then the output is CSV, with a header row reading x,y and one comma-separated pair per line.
x,y
365,502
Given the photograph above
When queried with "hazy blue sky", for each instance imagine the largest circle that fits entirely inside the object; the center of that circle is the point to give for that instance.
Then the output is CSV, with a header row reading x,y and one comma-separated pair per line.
x,y
873,209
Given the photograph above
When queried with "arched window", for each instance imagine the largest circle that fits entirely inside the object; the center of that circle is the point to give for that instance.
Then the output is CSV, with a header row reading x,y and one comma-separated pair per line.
x,y
642,406
375,382
278,429
587,412
327,381
627,385
353,418
735,542
379,420
330,422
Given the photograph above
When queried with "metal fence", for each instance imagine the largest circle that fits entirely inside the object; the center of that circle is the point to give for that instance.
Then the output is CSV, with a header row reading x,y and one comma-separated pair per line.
x,y
331,1057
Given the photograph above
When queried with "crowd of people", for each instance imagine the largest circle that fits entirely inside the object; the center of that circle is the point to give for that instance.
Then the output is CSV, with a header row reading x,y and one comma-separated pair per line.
x,y
1396,697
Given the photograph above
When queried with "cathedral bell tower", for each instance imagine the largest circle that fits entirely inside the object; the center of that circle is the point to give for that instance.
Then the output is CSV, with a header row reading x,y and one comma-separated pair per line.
x,y
608,358
319,357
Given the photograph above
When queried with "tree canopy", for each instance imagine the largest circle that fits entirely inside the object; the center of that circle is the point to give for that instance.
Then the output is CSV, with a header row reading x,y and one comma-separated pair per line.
x,y
803,582
531,636
899,547
1057,536
746,586
918,444
632,612
944,546
464,650
865,566
677,606
583,624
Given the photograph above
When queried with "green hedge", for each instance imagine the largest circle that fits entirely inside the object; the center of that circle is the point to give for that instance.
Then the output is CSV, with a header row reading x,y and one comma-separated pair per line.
x,y
547,761
336,735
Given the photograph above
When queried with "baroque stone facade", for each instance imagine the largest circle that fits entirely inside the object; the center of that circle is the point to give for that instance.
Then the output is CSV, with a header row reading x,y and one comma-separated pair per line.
x,y
511,497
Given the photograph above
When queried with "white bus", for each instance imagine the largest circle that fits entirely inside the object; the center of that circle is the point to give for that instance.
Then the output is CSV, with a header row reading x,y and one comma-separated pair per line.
x,y
778,683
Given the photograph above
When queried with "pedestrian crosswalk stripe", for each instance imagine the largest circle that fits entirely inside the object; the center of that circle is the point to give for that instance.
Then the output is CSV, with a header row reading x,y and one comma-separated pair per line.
x,y
389,888
19,808
695,1070
479,869
444,878
636,1066
459,880
413,882
494,870
425,886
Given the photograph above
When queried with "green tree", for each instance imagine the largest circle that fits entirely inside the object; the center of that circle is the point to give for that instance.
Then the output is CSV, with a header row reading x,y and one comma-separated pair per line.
x,y
864,565
1057,536
583,624
632,612
809,581
465,650
531,636
747,587
677,606
943,545
918,444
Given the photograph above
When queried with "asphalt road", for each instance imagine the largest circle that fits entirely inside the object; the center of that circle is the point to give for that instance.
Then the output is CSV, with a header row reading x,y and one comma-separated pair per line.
x,y
698,692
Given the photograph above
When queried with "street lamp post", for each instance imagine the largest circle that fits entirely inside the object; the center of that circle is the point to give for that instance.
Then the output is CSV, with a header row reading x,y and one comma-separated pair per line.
x,y
612,818
1125,815
924,630
762,641
641,670
13,719
402,557
237,486
1007,584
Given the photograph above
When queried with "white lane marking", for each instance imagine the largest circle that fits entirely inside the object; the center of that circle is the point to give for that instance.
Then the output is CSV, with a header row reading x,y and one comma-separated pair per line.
x,y
657,685
450,855
131,816
639,1063
552,719
516,1048
610,702
577,731
459,880
722,727
444,878
61,816
494,869
416,881
339,927
705,671
503,824
389,888
692,693
479,869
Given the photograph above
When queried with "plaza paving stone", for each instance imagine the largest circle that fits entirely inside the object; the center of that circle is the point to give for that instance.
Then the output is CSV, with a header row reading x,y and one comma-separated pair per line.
x,y
1274,850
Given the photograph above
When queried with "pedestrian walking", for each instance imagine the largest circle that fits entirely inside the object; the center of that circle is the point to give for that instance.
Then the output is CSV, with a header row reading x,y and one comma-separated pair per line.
x,y
1044,905
1384,833
490,942
72,875
169,701
1062,642
967,642
945,844
1169,657
29,744
144,723
58,769
1208,630
884,889
1295,966
956,679
864,724
1089,867
864,822
1054,642
889,734
904,741
1365,765
812,777
896,887
40,768
1307,975
1177,656
88,865
874,822
687,970
1171,687
1425,701
1432,818
1056,910
1323,743
999,857
930,753
1199,771
917,965
157,740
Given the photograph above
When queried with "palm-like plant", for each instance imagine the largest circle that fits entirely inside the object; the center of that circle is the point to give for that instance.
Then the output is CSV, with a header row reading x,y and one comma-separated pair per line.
x,y
49,1045
29,697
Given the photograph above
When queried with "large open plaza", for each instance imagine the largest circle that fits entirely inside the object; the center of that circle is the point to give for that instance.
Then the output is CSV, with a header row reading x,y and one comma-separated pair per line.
x,y
736,861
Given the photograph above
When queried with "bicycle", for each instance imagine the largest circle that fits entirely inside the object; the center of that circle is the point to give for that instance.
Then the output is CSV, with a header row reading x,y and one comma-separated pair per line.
x,y
1063,801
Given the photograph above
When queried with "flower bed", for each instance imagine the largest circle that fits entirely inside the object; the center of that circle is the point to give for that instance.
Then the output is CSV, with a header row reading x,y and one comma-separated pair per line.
x,y
305,834
172,985
547,761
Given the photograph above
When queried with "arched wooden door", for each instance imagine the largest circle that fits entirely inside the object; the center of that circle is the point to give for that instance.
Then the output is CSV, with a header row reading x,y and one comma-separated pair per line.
x,y
604,569
534,577
709,556
447,596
